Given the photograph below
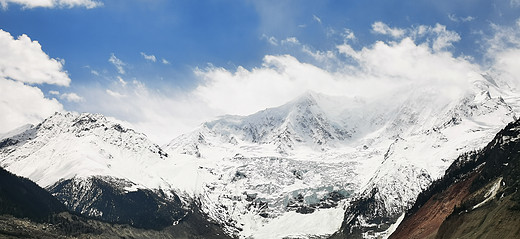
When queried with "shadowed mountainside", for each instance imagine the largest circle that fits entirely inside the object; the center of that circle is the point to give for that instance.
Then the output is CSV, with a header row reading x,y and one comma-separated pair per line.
x,y
477,198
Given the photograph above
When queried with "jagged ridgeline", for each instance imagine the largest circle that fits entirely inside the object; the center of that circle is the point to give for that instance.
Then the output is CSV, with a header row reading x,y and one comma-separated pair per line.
x,y
478,197
283,172
94,168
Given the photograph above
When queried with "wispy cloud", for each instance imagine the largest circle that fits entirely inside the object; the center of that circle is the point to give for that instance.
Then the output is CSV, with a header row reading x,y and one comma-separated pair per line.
x,y
349,34
454,18
121,81
164,61
291,40
114,94
382,28
149,57
316,18
502,53
271,39
438,36
72,97
117,63
52,3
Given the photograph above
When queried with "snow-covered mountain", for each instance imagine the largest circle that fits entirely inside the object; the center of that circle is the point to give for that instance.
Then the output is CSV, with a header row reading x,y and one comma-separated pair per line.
x,y
68,145
97,168
272,172
304,169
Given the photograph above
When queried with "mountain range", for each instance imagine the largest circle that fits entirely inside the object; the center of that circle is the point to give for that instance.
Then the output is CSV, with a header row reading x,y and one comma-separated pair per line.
x,y
318,166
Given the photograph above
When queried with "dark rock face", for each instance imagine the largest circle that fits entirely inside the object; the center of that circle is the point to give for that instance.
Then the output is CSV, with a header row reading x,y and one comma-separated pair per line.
x,y
354,224
105,198
21,197
478,197
29,211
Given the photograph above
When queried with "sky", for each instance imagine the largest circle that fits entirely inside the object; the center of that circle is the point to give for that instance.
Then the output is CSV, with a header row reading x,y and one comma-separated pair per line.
x,y
165,66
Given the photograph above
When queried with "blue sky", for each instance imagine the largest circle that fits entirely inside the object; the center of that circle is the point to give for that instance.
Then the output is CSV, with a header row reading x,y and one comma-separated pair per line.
x,y
173,49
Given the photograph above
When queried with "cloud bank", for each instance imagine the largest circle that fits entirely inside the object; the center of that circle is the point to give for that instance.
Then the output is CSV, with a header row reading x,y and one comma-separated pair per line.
x,y
23,63
416,58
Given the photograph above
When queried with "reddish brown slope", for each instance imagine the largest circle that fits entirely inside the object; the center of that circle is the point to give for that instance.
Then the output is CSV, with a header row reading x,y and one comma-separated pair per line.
x,y
478,197
427,220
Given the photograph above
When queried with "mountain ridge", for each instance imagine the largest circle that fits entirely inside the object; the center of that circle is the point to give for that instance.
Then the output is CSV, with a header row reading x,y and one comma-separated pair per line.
x,y
477,195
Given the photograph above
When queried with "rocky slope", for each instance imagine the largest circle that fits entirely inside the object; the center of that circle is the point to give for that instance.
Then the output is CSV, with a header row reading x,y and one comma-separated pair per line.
x,y
21,197
478,197
29,211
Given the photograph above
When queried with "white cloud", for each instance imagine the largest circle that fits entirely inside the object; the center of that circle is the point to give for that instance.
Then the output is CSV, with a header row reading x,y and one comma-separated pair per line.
x,y
22,63
72,97
149,57
280,79
503,54
52,3
271,39
54,92
291,40
316,18
159,114
382,28
320,56
349,34
439,37
119,64
444,37
454,18
120,79
23,60
370,72
114,94
164,61
467,19
503,38
22,104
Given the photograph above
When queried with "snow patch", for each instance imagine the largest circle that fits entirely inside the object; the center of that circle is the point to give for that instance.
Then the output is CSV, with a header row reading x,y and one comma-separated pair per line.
x,y
489,194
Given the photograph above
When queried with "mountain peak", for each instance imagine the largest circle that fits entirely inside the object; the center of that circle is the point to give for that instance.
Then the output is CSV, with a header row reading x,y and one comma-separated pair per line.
x,y
69,144
308,98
